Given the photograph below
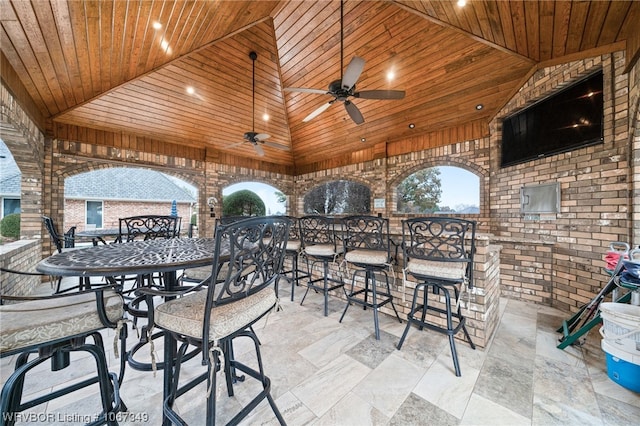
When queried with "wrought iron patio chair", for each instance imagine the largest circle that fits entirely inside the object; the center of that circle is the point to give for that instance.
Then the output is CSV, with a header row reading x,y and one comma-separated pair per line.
x,y
65,241
213,318
368,249
438,253
148,227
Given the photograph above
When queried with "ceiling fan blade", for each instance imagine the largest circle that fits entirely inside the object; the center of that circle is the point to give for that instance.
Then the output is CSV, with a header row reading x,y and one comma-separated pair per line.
x,y
277,146
317,112
380,94
258,149
261,136
303,90
354,112
352,73
233,145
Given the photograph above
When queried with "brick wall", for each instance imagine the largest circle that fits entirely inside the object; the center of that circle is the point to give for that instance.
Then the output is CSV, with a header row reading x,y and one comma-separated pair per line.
x,y
558,261
634,130
26,143
21,256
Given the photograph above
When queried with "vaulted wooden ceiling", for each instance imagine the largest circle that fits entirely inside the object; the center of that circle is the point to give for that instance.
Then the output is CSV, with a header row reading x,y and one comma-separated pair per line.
x,y
103,65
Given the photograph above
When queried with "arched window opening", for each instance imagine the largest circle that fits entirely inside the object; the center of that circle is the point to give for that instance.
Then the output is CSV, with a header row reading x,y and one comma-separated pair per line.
x,y
338,197
441,189
273,201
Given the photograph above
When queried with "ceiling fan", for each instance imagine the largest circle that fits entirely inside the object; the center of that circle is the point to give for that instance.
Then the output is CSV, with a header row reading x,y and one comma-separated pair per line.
x,y
257,139
344,88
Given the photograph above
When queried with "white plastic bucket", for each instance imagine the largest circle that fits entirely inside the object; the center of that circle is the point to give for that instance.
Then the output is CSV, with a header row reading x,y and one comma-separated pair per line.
x,y
621,325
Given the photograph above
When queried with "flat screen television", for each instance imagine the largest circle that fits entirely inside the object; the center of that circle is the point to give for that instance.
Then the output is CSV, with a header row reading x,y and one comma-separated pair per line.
x,y
569,119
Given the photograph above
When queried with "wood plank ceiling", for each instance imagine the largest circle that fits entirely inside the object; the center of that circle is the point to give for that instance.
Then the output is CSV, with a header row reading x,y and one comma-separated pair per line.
x,y
103,65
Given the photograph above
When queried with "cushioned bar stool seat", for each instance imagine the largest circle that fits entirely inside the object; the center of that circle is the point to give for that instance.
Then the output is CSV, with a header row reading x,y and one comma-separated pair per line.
x,y
53,327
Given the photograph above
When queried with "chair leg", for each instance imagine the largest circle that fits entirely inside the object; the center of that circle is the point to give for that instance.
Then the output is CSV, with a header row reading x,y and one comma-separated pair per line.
x,y
256,374
212,385
11,395
325,264
411,314
404,334
351,292
386,277
294,267
374,295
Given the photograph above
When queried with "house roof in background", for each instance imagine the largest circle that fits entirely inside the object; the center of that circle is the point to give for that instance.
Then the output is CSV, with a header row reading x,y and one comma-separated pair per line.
x,y
9,173
125,184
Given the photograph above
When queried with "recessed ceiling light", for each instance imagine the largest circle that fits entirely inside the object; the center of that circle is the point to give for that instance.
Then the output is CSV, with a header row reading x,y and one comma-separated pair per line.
x,y
479,107
191,90
462,3
265,116
363,139
411,125
157,25
165,46
391,75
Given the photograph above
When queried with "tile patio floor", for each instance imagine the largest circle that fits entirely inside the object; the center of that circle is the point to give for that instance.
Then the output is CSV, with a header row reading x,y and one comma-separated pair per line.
x,y
328,373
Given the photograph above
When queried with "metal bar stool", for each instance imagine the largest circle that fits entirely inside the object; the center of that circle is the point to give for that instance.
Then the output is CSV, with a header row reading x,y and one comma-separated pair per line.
x,y
367,248
319,245
293,252
438,253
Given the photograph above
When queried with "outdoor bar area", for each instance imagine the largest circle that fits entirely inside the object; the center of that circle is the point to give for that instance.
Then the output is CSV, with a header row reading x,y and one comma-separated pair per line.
x,y
133,291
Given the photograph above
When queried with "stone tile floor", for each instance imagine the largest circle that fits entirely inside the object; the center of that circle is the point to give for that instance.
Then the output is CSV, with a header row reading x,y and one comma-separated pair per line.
x,y
328,373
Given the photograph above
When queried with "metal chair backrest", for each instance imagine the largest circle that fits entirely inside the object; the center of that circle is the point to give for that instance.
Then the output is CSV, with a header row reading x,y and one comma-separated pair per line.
x,y
253,250
317,230
366,233
67,240
294,230
440,239
147,227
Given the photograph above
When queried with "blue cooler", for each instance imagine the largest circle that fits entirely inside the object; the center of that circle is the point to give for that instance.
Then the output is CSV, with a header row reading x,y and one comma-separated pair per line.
x,y
623,367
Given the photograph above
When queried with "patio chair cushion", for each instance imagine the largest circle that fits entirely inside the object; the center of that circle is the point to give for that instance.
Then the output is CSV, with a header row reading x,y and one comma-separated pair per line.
x,y
185,315
38,322
197,274
367,257
323,250
432,268
293,245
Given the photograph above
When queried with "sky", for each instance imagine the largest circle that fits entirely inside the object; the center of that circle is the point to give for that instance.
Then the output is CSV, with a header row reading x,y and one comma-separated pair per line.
x,y
459,186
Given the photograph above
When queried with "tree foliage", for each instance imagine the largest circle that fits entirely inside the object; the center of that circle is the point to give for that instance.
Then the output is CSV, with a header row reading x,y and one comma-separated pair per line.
x,y
243,203
10,226
420,192
280,197
338,197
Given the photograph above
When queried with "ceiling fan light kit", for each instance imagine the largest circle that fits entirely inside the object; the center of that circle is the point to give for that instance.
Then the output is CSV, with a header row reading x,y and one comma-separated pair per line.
x,y
345,87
